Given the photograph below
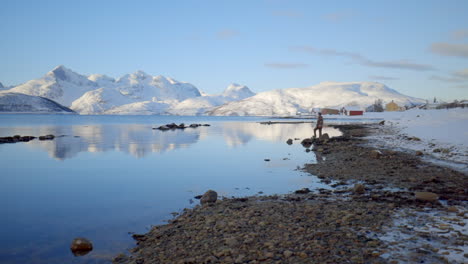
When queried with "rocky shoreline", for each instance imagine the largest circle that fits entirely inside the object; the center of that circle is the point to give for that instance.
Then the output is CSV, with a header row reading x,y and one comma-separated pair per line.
x,y
385,207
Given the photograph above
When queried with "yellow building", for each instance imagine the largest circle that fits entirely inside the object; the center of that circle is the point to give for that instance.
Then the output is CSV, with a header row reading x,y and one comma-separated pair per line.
x,y
392,106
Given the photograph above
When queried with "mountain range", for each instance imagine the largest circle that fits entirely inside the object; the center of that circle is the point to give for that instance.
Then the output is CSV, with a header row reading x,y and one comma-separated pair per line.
x,y
141,93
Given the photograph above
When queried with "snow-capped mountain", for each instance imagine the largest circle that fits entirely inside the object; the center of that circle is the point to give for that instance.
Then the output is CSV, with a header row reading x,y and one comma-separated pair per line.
x,y
61,85
143,87
1,86
136,93
326,94
199,105
97,93
237,92
18,102
141,93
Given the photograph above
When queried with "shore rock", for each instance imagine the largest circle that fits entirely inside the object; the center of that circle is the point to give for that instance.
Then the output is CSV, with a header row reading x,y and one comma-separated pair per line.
x,y
303,191
325,137
81,246
209,197
289,142
426,196
47,137
375,154
359,189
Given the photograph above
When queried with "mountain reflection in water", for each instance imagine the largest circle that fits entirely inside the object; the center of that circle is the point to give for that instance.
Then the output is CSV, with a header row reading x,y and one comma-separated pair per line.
x,y
101,178
139,140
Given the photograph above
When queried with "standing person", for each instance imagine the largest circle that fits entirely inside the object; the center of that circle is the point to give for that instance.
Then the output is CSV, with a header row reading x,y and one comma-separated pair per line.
x,y
319,125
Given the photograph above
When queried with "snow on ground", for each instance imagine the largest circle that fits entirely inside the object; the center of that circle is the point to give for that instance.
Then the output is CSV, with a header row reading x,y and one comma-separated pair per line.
x,y
441,135
426,236
429,235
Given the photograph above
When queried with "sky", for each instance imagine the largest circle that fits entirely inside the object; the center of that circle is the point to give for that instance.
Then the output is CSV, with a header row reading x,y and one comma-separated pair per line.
x,y
419,47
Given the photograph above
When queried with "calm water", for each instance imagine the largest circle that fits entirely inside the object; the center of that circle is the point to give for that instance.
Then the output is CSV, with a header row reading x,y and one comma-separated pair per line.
x,y
106,176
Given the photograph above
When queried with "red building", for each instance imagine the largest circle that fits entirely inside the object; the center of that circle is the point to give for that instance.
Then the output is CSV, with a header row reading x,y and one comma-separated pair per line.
x,y
355,112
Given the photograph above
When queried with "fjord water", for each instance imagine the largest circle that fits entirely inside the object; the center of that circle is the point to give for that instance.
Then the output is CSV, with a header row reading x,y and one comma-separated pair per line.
x,y
105,176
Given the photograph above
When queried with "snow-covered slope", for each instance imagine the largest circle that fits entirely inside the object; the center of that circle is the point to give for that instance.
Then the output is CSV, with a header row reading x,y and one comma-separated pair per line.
x,y
100,100
326,94
237,92
136,93
143,87
97,93
199,105
18,102
61,85
1,86
139,108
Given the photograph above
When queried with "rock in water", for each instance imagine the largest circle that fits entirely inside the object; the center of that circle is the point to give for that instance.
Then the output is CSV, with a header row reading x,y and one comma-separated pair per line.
x,y
47,137
426,196
209,197
289,142
81,246
382,122
307,142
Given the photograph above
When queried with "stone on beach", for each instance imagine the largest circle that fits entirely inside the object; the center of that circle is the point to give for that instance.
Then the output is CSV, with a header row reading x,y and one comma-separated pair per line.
x,y
375,154
426,196
359,189
289,141
209,197
325,137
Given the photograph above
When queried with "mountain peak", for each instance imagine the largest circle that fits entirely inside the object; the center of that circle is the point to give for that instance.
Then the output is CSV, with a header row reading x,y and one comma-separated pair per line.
x,y
61,72
1,86
238,91
140,74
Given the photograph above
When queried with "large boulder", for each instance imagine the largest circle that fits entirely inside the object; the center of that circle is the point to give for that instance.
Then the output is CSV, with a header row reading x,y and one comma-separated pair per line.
x,y
209,197
81,246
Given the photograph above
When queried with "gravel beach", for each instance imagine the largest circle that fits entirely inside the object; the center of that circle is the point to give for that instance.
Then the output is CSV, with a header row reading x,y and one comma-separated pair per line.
x,y
384,206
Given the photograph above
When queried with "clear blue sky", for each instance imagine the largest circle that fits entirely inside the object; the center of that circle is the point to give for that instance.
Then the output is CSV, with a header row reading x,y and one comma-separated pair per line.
x,y
417,47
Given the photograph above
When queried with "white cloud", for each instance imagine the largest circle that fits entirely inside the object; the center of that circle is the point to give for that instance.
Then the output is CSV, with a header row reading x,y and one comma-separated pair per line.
x,y
462,74
449,49
360,59
460,34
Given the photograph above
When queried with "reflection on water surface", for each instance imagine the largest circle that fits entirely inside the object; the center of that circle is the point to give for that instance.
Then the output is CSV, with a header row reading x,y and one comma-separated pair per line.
x,y
102,179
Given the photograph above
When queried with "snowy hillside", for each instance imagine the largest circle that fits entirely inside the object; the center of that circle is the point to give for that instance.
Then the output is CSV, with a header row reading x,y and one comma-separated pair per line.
x,y
61,85
17,102
326,94
199,105
97,93
141,93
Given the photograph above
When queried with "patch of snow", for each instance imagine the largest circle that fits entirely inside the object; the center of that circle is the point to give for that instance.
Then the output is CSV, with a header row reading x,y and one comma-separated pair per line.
x,y
429,236
438,134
